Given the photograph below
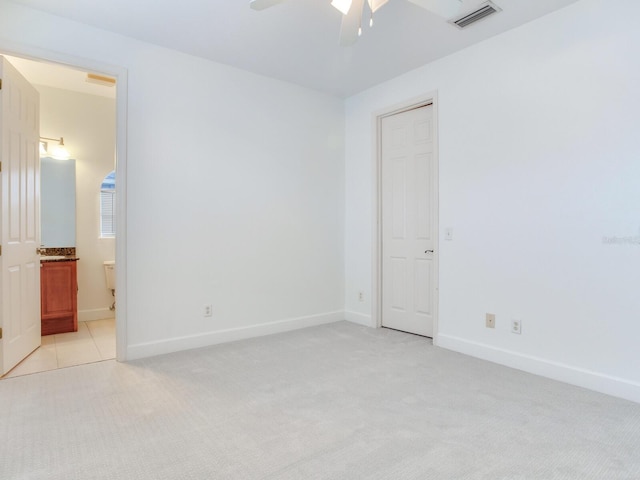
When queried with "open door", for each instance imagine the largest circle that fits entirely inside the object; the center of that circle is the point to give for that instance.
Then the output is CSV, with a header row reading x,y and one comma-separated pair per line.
x,y
20,214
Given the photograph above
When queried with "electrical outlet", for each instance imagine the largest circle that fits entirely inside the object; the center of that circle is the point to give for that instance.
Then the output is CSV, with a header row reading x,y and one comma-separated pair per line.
x,y
361,296
207,311
490,320
516,326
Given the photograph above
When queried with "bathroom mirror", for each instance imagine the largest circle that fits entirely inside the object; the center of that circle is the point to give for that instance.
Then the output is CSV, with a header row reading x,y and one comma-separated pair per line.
x,y
58,202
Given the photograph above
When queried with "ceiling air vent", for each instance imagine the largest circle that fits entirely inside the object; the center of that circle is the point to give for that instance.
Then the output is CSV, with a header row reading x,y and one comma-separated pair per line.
x,y
484,11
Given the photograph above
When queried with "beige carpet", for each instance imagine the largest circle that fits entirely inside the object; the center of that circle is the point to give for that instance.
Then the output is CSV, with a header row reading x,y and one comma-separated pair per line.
x,y
333,402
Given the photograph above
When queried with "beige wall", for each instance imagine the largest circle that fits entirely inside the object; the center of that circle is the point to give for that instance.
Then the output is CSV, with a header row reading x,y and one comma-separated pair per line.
x,y
87,123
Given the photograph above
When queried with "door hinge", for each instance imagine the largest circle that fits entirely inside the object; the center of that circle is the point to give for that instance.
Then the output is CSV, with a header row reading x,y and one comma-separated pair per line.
x,y
0,84
0,333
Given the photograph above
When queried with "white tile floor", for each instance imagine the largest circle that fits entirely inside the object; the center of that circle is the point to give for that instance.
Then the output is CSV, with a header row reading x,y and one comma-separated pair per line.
x,y
93,342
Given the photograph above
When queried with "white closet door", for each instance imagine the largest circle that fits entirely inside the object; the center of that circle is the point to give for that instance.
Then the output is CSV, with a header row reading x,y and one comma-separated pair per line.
x,y
408,226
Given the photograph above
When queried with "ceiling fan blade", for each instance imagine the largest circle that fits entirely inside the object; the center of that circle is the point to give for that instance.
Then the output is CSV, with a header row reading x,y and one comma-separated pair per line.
x,y
374,5
443,8
262,4
351,23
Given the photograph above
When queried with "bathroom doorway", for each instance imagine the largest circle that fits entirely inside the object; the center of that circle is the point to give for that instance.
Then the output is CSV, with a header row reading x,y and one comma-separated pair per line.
x,y
68,102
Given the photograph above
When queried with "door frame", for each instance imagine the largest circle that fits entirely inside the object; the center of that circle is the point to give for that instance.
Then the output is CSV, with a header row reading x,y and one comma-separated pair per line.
x,y
430,98
120,74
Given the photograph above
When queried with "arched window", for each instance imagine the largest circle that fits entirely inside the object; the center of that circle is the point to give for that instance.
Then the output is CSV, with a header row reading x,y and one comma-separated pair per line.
x,y
108,206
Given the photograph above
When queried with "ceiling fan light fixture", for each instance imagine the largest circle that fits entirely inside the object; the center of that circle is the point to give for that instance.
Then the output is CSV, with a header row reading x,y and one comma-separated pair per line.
x,y
374,5
342,6
353,12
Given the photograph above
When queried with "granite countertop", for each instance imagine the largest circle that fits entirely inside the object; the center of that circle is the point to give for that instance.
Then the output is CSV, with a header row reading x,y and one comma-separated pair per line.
x,y
58,254
65,259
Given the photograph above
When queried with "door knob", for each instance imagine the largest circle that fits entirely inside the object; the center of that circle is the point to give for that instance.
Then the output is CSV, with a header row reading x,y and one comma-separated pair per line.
x,y
428,251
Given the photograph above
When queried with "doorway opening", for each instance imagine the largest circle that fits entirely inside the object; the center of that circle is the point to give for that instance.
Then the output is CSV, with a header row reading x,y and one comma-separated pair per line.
x,y
97,337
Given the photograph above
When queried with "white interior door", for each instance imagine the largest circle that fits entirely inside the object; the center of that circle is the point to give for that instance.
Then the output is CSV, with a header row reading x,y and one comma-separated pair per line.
x,y
20,225
408,221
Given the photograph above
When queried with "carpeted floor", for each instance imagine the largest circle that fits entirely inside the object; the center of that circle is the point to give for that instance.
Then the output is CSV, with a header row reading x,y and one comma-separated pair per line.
x,y
338,401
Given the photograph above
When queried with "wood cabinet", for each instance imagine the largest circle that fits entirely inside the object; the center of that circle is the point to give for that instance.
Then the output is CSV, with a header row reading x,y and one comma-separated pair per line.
x,y
59,297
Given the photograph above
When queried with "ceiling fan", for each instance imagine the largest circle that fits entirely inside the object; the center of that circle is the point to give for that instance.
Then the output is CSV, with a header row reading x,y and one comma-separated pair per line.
x,y
352,11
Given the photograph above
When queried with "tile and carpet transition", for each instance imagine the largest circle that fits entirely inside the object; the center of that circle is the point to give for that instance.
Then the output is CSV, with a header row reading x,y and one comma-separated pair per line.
x,y
93,342
337,401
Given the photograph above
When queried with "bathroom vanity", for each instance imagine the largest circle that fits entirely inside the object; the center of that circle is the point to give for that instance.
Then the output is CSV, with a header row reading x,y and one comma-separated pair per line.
x,y
58,295
58,272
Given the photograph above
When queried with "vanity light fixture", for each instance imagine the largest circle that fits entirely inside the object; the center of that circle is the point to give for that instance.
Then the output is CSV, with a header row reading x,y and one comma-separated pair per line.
x,y
59,152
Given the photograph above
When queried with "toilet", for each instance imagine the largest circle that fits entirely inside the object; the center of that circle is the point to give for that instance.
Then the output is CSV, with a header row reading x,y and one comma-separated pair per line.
x,y
110,275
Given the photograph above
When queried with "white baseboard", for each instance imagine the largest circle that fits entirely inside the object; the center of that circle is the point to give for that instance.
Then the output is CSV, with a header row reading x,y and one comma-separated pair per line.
x,y
615,386
142,350
359,318
95,314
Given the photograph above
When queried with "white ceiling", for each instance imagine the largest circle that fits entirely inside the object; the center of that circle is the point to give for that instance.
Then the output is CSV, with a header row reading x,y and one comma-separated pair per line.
x,y
297,41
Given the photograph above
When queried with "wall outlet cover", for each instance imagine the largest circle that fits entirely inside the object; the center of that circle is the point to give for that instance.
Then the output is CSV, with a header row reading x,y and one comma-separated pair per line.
x,y
516,326
490,320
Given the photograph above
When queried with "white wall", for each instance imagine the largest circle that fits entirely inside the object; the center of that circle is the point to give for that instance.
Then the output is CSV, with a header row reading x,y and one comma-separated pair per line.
x,y
538,160
87,123
235,187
